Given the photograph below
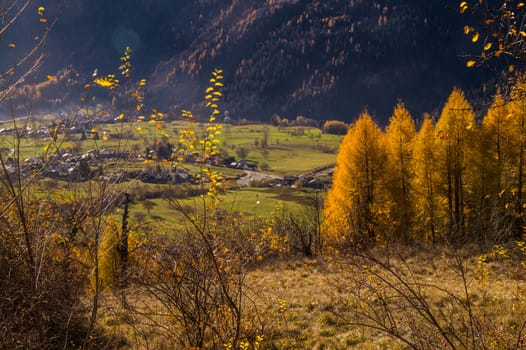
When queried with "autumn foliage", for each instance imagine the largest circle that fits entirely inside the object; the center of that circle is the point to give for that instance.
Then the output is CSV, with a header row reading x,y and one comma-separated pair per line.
x,y
452,181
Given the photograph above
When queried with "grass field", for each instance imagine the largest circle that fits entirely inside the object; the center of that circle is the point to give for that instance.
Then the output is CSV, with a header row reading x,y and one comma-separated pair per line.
x,y
308,303
288,151
253,203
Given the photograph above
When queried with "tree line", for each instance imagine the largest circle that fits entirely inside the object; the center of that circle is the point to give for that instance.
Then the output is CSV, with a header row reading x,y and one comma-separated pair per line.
x,y
454,180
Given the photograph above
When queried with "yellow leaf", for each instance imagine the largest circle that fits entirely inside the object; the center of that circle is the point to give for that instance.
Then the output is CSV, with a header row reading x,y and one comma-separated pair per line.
x,y
463,6
520,5
523,33
11,45
51,78
103,82
138,129
207,97
487,46
217,93
121,116
209,90
142,82
470,63
40,10
42,20
511,68
475,38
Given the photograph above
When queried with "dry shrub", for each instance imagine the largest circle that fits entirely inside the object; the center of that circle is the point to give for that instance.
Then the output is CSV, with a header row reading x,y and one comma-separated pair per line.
x,y
198,285
41,282
456,305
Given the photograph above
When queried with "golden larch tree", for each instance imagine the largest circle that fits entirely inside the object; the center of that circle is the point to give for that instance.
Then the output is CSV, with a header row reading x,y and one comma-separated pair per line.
x,y
516,132
425,181
399,137
351,207
495,144
491,179
456,131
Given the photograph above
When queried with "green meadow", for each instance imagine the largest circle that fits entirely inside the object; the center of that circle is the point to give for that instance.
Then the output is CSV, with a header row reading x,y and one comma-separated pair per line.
x,y
278,151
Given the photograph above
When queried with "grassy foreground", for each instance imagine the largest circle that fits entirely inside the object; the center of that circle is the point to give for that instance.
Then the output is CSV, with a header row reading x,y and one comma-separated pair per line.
x,y
311,303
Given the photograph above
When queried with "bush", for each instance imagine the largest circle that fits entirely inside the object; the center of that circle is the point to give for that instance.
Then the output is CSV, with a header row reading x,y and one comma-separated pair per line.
x,y
335,127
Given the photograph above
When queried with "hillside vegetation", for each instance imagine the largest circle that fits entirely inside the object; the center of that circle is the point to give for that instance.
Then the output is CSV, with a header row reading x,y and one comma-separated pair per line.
x,y
125,225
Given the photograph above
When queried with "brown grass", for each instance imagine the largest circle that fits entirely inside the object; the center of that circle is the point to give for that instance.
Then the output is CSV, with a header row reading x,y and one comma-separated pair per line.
x,y
306,303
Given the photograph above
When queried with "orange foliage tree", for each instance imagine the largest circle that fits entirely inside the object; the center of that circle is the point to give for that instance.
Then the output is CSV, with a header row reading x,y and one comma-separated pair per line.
x,y
399,137
351,207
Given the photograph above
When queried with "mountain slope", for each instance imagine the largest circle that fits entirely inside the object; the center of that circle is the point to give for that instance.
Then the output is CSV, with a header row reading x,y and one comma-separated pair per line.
x,y
322,59
325,59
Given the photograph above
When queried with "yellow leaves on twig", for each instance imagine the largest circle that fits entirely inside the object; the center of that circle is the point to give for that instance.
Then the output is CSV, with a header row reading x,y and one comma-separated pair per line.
x,y
108,81
40,12
463,6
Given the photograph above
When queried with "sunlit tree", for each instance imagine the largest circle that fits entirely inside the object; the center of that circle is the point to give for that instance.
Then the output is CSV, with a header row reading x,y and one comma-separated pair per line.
x,y
351,208
517,135
425,181
399,137
456,130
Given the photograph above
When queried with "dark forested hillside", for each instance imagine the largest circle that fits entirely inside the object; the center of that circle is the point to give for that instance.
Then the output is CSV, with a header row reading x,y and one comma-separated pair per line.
x,y
327,58
321,59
